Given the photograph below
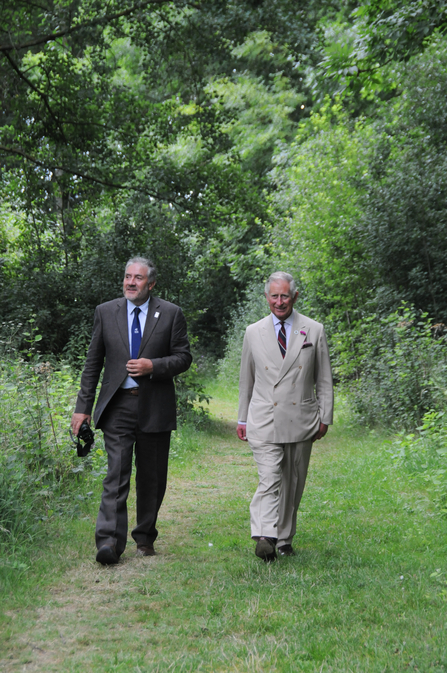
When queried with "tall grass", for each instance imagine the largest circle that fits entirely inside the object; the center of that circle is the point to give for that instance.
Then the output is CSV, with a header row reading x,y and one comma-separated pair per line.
x,y
41,477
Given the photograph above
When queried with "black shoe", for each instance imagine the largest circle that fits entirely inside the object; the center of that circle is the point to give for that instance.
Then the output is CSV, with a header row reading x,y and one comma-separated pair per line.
x,y
107,555
265,549
286,550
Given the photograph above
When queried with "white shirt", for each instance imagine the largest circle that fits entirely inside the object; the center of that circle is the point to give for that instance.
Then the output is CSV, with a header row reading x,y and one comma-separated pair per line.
x,y
129,382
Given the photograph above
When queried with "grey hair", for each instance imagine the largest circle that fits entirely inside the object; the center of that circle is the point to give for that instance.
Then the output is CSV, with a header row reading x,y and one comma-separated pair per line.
x,y
281,275
144,261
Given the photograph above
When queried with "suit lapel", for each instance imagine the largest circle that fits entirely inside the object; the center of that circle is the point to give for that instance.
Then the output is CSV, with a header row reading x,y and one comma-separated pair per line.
x,y
153,315
121,320
270,342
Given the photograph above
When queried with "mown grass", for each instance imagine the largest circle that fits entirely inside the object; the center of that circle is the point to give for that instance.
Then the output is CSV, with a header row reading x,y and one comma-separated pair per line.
x,y
367,590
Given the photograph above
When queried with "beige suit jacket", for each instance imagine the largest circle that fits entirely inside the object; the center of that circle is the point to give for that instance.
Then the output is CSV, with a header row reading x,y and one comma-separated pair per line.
x,y
284,400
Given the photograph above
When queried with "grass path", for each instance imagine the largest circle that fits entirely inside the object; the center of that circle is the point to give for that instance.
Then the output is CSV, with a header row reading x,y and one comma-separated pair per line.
x,y
367,590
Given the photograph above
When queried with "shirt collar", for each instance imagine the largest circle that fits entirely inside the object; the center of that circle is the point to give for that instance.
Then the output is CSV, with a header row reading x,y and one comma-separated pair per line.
x,y
143,308
287,321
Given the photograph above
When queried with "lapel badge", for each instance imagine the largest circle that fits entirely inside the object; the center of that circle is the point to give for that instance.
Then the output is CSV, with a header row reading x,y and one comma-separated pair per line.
x,y
156,314
296,332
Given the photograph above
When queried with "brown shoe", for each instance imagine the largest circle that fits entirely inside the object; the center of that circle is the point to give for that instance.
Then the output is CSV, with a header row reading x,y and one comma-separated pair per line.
x,y
265,549
146,550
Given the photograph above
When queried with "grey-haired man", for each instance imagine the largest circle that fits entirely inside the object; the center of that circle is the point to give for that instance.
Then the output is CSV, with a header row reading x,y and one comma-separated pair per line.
x,y
141,342
285,404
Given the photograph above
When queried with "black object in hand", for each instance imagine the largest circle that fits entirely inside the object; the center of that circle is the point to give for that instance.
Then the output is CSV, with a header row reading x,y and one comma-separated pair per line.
x,y
85,434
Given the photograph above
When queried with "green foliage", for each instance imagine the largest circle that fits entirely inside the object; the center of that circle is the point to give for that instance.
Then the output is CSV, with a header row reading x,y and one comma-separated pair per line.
x,y
40,470
424,452
320,183
361,50
404,372
253,308
190,396
404,217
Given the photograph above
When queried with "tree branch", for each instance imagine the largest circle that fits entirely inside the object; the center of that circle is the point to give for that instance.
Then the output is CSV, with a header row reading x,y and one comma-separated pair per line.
x,y
90,178
40,93
50,37
54,167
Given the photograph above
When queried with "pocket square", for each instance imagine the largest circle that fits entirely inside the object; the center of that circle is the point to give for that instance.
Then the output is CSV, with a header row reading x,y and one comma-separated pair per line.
x,y
307,344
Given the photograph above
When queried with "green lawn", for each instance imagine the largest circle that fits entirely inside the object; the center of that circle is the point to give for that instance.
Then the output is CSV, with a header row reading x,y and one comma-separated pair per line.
x,y
366,592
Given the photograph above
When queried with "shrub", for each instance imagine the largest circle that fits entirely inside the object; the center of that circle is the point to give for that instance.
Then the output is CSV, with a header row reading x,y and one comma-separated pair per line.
x,y
425,452
403,371
251,310
190,395
38,462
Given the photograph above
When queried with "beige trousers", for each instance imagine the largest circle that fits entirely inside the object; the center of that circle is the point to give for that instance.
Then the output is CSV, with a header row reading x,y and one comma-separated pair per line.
x,y
282,470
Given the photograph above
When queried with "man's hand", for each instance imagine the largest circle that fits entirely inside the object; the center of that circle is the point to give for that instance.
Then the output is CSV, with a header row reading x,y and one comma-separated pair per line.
x,y
321,432
77,420
242,431
140,367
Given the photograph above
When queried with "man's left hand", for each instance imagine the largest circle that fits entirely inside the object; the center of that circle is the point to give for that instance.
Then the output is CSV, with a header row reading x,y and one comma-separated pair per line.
x,y
321,432
140,367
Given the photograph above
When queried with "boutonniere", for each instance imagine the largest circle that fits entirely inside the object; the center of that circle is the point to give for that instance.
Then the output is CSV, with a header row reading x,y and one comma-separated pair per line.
x,y
302,332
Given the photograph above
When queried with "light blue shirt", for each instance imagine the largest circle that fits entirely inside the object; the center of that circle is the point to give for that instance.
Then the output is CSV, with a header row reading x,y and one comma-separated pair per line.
x,y
129,382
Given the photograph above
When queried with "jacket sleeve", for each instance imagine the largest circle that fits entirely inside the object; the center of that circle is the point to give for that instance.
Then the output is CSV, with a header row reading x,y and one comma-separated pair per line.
x,y
92,368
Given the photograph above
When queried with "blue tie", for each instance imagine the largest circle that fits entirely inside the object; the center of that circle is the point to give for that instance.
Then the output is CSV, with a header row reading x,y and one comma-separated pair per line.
x,y
136,335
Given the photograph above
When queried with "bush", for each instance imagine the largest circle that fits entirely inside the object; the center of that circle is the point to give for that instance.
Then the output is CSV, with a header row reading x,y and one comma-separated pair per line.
x,y
251,310
190,395
39,465
425,452
403,371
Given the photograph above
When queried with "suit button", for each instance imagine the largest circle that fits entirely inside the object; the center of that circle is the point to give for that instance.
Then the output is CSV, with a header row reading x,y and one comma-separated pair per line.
x,y
266,367
293,403
300,367
275,404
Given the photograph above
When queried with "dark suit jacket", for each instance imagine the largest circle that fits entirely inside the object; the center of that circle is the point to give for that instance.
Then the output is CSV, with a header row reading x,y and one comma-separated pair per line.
x,y
164,341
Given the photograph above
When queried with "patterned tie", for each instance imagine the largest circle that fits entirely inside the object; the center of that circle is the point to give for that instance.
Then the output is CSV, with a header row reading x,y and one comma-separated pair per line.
x,y
282,339
136,335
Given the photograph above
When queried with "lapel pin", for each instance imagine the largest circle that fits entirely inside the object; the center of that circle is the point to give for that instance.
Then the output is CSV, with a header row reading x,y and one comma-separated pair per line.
x,y
296,332
156,314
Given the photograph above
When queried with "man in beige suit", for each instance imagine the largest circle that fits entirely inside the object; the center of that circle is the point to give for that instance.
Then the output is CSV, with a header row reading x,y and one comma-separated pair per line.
x,y
285,404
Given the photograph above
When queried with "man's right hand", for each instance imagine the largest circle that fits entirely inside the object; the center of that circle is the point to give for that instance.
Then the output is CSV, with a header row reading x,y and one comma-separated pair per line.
x,y
77,420
242,431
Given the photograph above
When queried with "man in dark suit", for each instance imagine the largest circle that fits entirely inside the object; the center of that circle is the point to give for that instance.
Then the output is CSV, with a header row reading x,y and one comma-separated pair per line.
x,y
144,344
